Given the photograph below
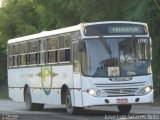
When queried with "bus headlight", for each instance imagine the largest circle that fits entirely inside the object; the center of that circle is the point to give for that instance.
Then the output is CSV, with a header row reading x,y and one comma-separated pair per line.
x,y
144,90
91,92
94,92
148,89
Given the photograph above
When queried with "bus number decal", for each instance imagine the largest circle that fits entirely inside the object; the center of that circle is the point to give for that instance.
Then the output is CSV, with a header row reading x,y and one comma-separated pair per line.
x,y
142,40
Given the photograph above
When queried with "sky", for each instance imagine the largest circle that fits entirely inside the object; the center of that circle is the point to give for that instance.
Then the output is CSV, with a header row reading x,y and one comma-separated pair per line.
x,y
0,3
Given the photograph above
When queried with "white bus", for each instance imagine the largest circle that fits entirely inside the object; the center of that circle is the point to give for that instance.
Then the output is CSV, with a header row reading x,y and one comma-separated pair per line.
x,y
90,64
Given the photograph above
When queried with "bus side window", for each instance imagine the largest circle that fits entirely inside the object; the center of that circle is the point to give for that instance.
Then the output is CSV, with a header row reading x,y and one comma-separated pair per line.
x,y
23,53
33,59
10,61
15,60
52,43
67,55
65,48
15,55
23,59
64,55
76,58
33,46
42,52
33,52
52,56
10,56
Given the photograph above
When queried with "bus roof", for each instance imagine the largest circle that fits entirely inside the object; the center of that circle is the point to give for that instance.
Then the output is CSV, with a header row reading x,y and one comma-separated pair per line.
x,y
65,30
44,34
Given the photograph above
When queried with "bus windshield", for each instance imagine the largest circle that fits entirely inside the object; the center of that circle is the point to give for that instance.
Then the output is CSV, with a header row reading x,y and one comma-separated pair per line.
x,y
122,57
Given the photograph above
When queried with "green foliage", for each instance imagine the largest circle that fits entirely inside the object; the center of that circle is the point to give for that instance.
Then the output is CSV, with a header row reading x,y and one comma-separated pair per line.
x,y
4,93
100,10
23,17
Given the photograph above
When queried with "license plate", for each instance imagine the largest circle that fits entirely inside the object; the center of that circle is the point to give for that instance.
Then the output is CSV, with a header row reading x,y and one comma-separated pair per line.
x,y
122,100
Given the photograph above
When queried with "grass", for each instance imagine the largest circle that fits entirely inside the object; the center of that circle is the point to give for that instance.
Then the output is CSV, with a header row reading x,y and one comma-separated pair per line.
x,y
4,93
156,102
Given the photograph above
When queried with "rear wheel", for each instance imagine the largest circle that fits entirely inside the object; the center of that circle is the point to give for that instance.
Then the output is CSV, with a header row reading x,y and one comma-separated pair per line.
x,y
124,109
29,105
71,109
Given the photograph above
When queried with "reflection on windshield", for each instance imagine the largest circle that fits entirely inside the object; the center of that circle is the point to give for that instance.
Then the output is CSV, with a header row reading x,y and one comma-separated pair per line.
x,y
130,57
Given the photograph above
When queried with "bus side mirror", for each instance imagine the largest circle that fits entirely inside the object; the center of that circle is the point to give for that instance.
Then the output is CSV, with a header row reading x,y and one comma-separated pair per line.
x,y
81,46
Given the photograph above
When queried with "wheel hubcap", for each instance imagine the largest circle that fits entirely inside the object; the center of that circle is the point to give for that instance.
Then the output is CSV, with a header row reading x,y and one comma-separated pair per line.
x,y
68,102
27,101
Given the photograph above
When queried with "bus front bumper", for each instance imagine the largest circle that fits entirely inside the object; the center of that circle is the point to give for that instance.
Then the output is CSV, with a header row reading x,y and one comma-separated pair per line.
x,y
89,100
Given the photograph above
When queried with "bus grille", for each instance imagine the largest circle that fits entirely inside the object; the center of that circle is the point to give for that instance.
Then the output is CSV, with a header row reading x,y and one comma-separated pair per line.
x,y
120,89
121,92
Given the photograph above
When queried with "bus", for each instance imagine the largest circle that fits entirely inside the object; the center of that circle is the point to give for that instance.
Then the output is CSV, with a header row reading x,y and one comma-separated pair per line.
x,y
91,64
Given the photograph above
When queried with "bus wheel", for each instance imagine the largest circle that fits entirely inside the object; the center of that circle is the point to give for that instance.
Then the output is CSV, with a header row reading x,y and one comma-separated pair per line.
x,y
70,109
28,100
124,109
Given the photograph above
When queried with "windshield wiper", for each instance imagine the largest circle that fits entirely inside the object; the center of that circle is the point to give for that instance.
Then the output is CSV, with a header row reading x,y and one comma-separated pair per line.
x,y
106,45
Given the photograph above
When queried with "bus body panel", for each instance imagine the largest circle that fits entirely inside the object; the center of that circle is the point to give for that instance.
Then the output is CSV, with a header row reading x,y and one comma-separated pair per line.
x,y
44,88
61,75
16,94
77,90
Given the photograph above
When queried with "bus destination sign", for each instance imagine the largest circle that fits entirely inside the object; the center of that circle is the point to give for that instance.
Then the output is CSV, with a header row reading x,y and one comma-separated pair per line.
x,y
124,29
115,29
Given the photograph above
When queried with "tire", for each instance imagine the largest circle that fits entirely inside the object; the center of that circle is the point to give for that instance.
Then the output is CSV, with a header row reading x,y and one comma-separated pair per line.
x,y
69,108
124,109
32,106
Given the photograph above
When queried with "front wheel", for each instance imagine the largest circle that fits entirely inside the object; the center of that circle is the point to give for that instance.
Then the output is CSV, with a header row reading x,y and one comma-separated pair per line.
x,y
69,107
124,109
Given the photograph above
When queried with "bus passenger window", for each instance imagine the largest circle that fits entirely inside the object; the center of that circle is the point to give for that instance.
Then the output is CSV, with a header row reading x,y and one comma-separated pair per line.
x,y
32,59
42,52
42,57
10,51
23,48
52,43
52,56
61,56
67,55
67,41
33,46
15,55
61,42
10,56
10,61
23,53
15,61
16,49
76,58
23,59
64,55
64,48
